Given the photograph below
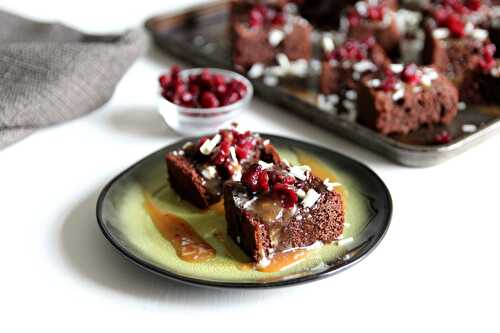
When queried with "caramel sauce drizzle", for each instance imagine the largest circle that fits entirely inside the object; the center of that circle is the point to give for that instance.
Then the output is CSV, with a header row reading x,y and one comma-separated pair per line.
x,y
218,208
279,262
188,245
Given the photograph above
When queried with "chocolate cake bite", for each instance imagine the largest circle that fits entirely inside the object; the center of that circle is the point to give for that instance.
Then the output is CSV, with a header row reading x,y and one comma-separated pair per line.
x,y
262,30
454,40
198,171
277,208
482,84
373,19
403,98
346,63
326,14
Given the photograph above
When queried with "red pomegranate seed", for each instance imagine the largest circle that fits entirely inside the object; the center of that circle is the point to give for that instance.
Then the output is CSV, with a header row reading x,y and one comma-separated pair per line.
x,y
290,180
389,83
489,51
186,99
230,98
250,177
473,4
174,71
263,10
238,86
375,13
410,74
241,153
194,89
256,19
455,25
486,65
218,79
286,194
222,153
209,100
263,181
442,138
353,17
440,15
165,81
279,19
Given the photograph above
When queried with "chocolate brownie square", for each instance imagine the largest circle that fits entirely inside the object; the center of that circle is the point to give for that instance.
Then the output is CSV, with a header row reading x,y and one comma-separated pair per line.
x,y
367,18
276,208
482,84
259,31
405,98
453,53
345,64
198,171
325,14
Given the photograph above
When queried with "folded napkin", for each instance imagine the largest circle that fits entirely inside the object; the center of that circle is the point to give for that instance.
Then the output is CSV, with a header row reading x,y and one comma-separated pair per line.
x,y
51,73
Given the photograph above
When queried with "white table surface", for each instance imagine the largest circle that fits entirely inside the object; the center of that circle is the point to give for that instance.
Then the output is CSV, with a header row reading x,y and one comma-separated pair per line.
x,y
437,268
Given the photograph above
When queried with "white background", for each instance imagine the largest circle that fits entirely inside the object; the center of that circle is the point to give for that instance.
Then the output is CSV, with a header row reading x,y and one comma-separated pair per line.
x,y
437,269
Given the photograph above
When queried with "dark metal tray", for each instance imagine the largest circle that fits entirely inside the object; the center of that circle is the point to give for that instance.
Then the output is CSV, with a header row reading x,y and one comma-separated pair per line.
x,y
199,36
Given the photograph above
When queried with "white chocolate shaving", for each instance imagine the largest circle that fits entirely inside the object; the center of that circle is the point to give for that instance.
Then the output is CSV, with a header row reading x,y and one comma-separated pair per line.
x,y
265,165
209,172
311,198
256,71
275,37
208,146
300,171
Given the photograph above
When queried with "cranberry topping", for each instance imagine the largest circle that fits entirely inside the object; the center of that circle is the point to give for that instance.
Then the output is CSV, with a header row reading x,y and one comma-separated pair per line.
x,y
255,19
256,179
204,90
376,13
276,177
487,60
209,100
455,25
456,5
221,154
440,15
353,17
251,178
473,4
442,138
263,181
352,50
279,19
450,14
389,83
286,194
411,74
260,15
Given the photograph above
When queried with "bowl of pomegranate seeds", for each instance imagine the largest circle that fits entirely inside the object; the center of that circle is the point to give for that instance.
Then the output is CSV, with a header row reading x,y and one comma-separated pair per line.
x,y
200,100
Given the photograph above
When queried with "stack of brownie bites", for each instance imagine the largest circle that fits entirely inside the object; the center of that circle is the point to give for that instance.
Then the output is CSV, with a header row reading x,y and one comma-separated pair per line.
x,y
270,205
394,66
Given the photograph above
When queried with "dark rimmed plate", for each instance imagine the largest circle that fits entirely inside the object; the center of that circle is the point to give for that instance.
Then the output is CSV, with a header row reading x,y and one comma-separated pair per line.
x,y
125,223
199,36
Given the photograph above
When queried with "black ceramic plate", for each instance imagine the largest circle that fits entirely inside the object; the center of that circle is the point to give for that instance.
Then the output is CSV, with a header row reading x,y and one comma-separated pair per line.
x,y
199,36
127,225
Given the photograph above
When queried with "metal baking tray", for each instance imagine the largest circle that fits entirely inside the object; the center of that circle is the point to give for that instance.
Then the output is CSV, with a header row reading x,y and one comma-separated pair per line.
x,y
199,35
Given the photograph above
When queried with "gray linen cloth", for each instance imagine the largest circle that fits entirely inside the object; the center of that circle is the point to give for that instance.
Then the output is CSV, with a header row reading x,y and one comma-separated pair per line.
x,y
50,73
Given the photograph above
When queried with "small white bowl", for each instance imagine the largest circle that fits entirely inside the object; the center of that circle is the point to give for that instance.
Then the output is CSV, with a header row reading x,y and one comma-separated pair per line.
x,y
196,121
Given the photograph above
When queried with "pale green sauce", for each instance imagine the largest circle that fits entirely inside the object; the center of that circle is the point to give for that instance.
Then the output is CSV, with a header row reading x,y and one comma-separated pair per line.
x,y
142,233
